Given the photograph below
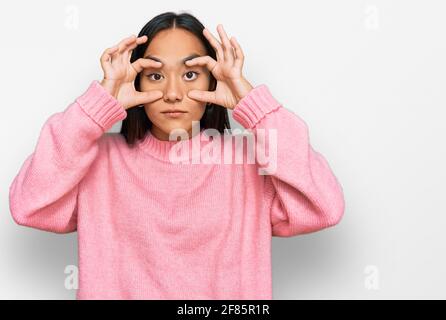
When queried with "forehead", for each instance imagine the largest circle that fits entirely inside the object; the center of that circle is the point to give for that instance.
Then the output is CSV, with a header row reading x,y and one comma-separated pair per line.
x,y
174,44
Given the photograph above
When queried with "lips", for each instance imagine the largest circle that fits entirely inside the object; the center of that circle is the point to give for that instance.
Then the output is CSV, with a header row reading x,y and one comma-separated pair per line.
x,y
174,111
174,114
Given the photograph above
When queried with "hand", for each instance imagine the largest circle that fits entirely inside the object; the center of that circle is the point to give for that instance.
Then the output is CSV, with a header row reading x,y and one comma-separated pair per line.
x,y
227,70
120,74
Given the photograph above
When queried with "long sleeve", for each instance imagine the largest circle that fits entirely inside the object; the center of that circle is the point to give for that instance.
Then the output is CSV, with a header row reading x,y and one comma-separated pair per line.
x,y
301,190
43,195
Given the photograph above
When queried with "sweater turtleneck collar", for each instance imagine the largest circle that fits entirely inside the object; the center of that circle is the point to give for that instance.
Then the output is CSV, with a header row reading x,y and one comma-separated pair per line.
x,y
186,149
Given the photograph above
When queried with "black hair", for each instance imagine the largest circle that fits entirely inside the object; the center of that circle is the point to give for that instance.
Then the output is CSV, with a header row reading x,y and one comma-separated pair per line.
x,y
136,124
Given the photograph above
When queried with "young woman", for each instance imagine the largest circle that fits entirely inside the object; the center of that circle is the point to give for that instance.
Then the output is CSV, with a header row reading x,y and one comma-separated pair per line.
x,y
152,228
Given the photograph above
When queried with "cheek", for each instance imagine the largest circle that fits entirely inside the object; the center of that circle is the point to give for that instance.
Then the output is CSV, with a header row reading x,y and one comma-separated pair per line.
x,y
153,110
145,84
196,112
202,83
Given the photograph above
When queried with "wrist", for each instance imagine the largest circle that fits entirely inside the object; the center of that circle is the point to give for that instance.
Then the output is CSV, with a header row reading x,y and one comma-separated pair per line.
x,y
242,88
111,87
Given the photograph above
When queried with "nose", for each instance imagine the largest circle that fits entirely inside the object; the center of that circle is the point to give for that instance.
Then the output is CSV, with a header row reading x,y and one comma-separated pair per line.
x,y
173,91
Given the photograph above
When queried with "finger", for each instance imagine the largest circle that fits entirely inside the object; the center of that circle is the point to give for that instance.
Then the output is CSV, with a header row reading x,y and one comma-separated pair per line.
x,y
107,55
148,96
118,55
207,61
203,96
215,44
128,51
142,39
125,43
227,47
136,43
239,56
143,63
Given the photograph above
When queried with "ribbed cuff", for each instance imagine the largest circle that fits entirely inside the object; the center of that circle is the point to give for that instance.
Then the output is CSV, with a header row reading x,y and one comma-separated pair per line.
x,y
101,106
254,106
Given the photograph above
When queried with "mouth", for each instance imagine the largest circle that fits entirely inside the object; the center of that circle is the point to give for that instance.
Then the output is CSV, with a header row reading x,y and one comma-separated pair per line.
x,y
174,113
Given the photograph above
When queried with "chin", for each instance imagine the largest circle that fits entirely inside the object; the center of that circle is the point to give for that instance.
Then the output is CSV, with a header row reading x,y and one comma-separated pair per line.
x,y
179,127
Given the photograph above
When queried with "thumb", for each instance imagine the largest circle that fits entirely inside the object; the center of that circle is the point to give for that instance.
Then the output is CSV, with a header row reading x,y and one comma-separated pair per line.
x,y
147,96
203,96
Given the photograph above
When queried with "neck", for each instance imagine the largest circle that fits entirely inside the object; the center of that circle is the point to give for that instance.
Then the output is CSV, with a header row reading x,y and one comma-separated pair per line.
x,y
164,136
161,149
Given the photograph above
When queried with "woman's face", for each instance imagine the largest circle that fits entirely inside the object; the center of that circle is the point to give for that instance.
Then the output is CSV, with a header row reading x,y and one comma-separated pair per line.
x,y
174,79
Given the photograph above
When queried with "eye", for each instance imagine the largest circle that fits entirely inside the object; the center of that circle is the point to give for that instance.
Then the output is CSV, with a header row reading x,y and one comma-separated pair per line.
x,y
192,72
188,75
150,76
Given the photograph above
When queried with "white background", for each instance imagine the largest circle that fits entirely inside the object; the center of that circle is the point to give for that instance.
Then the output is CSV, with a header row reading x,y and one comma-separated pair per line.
x,y
369,79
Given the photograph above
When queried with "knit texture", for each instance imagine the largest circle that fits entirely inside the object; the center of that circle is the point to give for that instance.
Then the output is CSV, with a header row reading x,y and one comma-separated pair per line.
x,y
149,228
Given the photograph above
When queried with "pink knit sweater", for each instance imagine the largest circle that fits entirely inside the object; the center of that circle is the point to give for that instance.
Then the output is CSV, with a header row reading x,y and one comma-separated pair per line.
x,y
149,228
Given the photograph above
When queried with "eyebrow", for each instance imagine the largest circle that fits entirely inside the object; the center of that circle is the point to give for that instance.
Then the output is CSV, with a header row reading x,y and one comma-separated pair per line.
x,y
182,61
